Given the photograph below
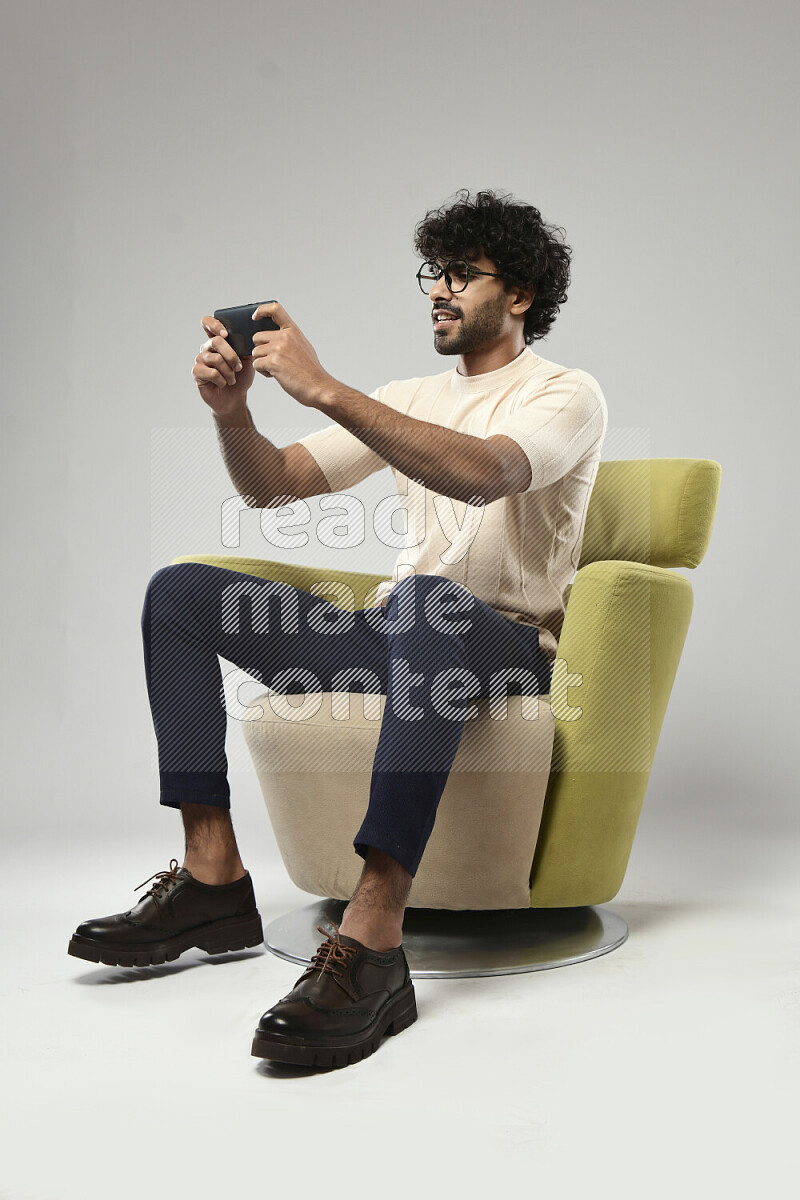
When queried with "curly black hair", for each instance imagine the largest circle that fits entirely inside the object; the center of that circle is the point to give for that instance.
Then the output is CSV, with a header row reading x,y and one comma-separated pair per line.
x,y
524,249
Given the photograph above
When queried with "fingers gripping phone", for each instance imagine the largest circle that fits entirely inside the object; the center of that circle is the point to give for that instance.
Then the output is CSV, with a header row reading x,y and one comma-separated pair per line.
x,y
241,326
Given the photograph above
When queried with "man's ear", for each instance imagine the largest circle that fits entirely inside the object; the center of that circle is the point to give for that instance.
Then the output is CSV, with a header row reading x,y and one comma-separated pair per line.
x,y
525,294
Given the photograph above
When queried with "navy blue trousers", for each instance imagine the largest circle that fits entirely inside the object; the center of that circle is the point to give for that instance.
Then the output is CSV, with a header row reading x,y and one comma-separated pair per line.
x,y
433,649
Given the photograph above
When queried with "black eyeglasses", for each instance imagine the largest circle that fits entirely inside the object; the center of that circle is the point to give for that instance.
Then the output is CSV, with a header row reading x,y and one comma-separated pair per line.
x,y
457,275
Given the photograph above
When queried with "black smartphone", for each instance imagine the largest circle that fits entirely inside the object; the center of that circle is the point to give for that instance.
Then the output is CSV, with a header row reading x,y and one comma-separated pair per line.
x,y
241,326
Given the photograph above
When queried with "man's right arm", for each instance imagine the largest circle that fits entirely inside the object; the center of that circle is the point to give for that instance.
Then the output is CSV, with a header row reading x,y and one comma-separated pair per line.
x,y
265,475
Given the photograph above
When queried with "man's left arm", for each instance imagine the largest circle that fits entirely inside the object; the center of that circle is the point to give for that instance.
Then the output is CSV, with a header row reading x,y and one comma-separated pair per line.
x,y
445,461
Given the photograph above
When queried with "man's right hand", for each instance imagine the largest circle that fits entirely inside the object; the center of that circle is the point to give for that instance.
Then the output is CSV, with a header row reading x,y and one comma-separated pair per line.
x,y
222,378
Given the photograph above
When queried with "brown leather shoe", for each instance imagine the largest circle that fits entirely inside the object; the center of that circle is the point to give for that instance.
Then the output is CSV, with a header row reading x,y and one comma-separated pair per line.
x,y
340,1007
175,914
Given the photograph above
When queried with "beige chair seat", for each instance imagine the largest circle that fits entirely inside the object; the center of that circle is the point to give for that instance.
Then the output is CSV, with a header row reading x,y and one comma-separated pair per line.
x,y
316,787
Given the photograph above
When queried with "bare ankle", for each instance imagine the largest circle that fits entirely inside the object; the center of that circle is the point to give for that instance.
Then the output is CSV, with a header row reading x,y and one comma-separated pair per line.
x,y
212,855
374,915
380,932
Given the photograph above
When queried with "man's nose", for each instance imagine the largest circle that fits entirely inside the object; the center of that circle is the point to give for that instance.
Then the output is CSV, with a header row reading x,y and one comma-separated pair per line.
x,y
440,289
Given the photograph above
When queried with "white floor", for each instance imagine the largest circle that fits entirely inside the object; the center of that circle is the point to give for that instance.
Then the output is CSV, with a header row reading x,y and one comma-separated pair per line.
x,y
668,1067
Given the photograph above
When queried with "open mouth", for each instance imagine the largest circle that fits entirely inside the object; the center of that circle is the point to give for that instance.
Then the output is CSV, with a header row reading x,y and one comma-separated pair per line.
x,y
442,322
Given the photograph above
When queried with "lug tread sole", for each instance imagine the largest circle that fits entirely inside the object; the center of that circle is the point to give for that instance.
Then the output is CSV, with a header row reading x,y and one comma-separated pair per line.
x,y
218,937
398,1014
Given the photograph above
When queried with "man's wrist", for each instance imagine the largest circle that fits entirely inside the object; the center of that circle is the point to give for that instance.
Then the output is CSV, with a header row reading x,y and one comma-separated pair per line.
x,y
332,395
238,418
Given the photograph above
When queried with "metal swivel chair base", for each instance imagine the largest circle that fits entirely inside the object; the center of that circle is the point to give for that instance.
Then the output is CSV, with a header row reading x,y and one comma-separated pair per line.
x,y
444,944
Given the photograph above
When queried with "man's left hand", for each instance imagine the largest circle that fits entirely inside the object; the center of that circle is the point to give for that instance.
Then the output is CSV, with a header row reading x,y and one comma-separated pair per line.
x,y
287,355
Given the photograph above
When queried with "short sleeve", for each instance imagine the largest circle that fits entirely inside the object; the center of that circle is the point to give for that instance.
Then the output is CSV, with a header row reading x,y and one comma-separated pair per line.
x,y
342,457
557,427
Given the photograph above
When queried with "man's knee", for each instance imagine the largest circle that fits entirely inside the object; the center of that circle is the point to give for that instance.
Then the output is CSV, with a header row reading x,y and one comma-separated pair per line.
x,y
175,577
185,587
166,581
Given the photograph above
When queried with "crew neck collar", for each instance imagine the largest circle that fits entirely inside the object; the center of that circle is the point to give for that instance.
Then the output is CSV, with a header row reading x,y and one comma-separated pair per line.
x,y
518,368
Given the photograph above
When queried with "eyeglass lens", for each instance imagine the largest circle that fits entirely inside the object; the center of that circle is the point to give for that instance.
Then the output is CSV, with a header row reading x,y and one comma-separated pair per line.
x,y
457,272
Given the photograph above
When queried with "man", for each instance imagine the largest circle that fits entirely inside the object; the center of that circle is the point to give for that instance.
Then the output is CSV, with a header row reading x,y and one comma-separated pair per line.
x,y
512,442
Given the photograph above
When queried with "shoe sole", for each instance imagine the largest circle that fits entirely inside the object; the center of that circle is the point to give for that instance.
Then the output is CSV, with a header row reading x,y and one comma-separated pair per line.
x,y
218,937
398,1014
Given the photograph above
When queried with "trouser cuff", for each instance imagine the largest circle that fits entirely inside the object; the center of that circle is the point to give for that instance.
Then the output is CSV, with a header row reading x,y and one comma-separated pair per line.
x,y
364,839
195,787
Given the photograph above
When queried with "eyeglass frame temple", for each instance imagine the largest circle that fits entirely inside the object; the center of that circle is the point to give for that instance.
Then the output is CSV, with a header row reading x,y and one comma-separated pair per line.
x,y
444,272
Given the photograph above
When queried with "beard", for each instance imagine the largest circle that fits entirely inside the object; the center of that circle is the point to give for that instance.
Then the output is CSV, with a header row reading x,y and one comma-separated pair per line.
x,y
483,326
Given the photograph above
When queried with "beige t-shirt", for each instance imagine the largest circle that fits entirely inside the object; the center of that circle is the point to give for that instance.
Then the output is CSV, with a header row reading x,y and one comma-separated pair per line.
x,y
519,553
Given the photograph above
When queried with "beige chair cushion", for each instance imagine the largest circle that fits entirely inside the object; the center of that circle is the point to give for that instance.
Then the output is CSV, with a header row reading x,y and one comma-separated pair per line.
x,y
314,763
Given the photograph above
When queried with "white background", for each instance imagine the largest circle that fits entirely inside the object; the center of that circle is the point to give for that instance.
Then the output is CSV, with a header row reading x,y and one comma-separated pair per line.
x,y
162,160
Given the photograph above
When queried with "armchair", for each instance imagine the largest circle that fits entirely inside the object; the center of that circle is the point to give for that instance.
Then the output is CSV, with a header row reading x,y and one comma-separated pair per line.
x,y
535,826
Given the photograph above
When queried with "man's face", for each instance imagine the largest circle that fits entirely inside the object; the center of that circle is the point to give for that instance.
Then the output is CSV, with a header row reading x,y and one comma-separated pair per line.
x,y
481,310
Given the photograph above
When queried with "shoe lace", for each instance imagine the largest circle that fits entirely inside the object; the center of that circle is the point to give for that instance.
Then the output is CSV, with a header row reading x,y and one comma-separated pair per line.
x,y
332,953
163,879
